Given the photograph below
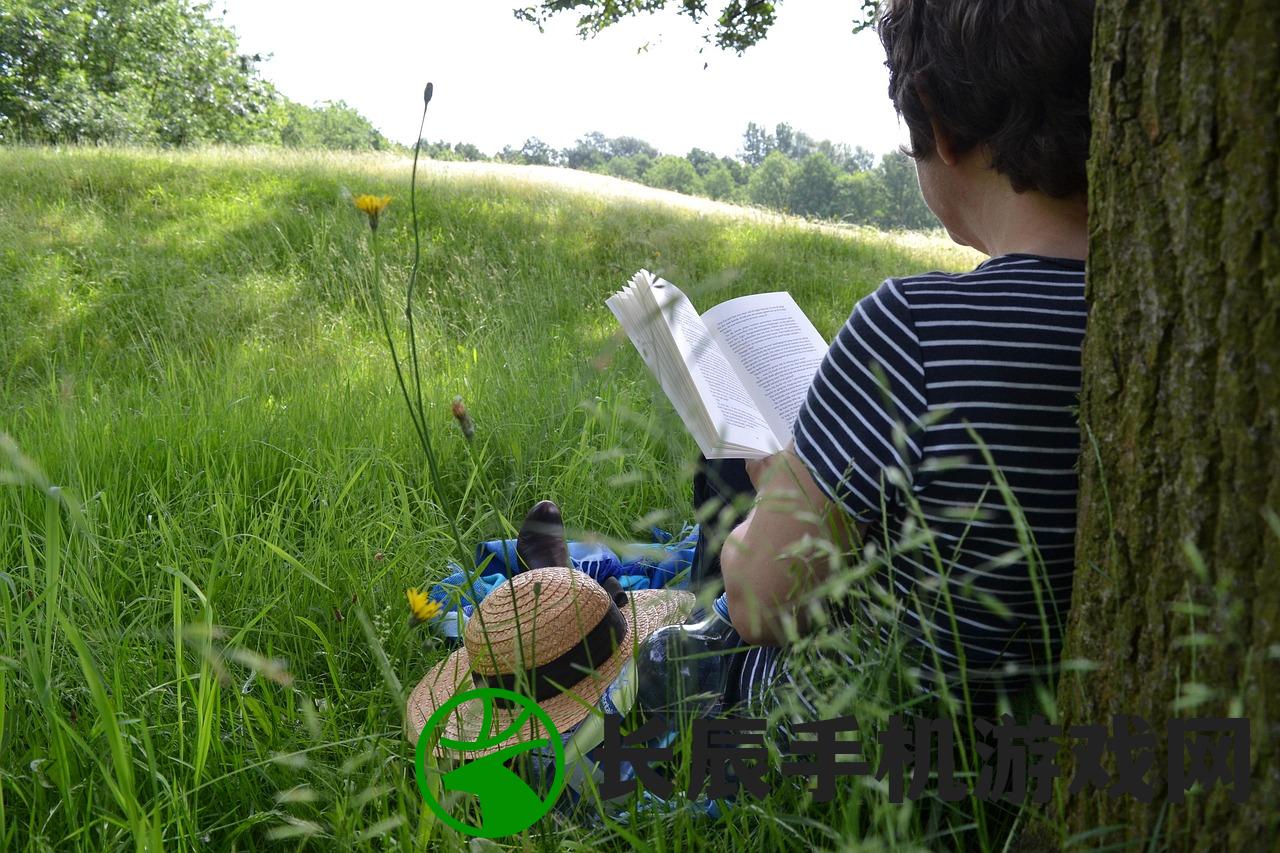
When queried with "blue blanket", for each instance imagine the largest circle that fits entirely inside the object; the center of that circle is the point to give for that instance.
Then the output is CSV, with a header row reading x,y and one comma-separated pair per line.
x,y
663,562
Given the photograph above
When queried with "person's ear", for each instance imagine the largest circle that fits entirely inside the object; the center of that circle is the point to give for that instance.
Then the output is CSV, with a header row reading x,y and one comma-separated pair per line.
x,y
941,139
942,144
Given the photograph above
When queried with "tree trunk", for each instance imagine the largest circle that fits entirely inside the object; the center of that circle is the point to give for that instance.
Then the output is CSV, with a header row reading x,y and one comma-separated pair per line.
x,y
1181,408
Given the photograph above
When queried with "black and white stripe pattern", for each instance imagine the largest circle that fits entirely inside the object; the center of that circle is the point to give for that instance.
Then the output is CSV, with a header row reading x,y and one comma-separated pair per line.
x,y
927,373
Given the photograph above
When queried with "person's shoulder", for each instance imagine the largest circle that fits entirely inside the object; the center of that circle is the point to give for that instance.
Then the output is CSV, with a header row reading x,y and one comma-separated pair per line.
x,y
1003,269
995,279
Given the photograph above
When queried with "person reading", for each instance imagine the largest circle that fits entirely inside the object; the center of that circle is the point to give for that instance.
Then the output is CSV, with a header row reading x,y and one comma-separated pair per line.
x,y
943,388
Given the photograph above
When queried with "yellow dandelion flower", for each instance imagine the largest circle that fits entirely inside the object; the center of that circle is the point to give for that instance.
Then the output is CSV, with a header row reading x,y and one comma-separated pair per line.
x,y
421,607
371,206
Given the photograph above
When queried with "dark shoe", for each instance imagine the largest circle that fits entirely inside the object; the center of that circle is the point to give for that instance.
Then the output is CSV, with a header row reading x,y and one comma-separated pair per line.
x,y
541,543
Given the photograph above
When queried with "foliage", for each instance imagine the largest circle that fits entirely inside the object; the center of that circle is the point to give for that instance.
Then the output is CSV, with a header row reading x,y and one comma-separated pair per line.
x,y
770,185
164,72
674,173
782,169
737,26
897,174
590,152
126,70
627,168
457,151
332,124
718,183
630,146
757,144
861,197
535,152
847,158
795,144
702,161
813,187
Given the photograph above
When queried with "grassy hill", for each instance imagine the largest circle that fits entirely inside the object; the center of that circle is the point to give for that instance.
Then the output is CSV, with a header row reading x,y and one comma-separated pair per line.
x,y
215,502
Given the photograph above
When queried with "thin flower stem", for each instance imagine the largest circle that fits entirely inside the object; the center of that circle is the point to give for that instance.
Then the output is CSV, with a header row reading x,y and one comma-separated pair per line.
x,y
418,416
417,255
470,575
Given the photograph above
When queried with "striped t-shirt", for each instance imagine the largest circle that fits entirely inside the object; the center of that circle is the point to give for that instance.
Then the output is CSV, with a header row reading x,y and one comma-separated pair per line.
x,y
939,387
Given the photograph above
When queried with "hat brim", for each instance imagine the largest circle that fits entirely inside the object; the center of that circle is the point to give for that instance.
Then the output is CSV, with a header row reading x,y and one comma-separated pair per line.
x,y
645,612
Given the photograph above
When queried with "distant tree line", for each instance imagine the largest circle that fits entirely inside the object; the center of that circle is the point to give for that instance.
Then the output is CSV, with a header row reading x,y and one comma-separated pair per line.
x,y
170,72
783,169
152,72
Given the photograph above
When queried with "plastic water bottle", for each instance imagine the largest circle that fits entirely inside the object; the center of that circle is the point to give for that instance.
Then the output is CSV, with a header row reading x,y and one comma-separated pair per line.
x,y
682,670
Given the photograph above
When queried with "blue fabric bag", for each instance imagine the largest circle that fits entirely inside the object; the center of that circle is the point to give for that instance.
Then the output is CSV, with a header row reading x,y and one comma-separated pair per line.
x,y
663,562
644,566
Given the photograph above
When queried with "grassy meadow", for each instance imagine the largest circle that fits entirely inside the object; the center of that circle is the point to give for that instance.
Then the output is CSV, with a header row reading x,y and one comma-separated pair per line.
x,y
213,500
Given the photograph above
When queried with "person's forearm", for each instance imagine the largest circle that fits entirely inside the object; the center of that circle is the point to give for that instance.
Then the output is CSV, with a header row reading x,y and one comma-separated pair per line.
x,y
763,573
753,595
771,560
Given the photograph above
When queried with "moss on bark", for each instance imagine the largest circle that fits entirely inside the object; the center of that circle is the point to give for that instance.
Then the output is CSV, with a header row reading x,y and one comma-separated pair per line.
x,y
1181,403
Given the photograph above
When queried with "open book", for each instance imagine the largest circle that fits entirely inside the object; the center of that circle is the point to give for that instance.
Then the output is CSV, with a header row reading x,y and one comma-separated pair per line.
x,y
737,374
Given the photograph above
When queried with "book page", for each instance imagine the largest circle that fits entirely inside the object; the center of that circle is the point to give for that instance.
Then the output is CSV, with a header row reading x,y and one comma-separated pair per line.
x,y
733,409
774,349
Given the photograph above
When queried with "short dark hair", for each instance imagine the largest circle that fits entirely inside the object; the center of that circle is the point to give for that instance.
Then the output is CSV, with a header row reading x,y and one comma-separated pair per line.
x,y
1012,75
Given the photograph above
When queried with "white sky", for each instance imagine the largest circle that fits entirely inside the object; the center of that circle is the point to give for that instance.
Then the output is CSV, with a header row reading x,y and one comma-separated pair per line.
x,y
499,81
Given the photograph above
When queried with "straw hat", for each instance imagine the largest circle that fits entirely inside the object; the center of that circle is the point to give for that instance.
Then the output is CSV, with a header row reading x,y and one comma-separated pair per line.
x,y
552,634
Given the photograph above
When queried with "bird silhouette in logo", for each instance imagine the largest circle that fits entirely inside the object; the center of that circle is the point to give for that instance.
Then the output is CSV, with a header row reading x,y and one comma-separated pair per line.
x,y
508,804
506,800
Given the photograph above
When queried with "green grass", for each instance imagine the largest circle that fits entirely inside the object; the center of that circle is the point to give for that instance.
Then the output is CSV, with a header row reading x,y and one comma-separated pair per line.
x,y
216,501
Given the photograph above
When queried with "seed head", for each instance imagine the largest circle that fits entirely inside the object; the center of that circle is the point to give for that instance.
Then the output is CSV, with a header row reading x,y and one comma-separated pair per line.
x,y
465,423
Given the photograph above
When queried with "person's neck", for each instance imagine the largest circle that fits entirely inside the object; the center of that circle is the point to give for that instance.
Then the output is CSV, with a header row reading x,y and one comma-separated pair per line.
x,y
1030,223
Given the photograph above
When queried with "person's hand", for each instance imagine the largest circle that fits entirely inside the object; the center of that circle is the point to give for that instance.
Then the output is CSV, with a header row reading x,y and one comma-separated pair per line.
x,y
760,470
766,566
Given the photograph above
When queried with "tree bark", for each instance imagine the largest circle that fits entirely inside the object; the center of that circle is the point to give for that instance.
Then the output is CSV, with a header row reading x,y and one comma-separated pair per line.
x,y
1181,408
